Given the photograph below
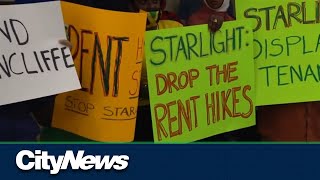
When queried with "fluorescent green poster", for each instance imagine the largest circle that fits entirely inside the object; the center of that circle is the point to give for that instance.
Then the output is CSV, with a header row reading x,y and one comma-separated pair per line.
x,y
200,84
286,49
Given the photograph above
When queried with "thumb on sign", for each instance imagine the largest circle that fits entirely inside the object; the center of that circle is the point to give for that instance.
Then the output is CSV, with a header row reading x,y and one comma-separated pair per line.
x,y
66,43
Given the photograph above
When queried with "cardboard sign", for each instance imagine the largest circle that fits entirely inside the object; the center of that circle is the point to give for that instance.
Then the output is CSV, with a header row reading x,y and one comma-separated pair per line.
x,y
286,49
108,51
200,84
32,62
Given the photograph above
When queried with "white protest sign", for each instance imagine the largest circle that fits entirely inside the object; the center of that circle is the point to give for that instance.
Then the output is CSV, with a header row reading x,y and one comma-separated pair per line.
x,y
32,62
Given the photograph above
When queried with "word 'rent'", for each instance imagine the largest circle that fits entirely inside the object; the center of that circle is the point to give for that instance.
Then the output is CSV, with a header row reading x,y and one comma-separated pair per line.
x,y
97,57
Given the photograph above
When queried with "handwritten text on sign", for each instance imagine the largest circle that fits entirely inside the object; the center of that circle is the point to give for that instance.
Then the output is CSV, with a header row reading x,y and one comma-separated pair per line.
x,y
32,63
200,84
286,49
108,51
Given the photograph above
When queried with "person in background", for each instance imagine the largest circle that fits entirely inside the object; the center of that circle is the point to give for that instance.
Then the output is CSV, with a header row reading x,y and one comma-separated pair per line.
x,y
172,6
17,123
112,5
157,17
213,12
154,10
168,15
299,122
187,8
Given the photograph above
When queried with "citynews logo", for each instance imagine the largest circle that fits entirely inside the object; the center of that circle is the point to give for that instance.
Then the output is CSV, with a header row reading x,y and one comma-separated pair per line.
x,y
40,160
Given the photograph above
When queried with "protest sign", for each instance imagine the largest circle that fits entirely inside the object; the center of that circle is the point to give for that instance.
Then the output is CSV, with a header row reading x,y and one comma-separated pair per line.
x,y
200,84
286,49
108,51
32,62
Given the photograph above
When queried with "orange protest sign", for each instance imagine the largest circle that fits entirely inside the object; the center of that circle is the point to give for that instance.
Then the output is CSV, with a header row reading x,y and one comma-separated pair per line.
x,y
107,50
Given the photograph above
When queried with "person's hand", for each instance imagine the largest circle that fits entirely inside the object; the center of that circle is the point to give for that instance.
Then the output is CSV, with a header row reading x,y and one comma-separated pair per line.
x,y
215,23
66,43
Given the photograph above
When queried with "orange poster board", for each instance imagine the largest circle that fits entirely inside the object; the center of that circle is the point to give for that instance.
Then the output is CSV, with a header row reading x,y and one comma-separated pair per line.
x,y
107,51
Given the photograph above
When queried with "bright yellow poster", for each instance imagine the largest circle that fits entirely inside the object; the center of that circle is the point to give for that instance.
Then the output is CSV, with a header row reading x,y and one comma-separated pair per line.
x,y
200,84
286,49
107,51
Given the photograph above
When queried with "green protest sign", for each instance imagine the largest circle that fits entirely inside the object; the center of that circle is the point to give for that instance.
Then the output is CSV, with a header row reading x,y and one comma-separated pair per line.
x,y
286,49
200,84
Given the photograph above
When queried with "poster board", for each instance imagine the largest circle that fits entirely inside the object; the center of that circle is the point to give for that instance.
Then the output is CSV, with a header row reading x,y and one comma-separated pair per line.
x,y
286,49
32,62
200,84
108,51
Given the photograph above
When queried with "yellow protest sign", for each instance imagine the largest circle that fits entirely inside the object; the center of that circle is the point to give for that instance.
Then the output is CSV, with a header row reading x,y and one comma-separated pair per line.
x,y
286,49
200,84
107,51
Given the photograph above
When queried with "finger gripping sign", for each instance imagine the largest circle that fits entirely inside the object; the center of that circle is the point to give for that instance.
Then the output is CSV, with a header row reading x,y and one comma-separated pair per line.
x,y
108,51
200,84
32,62
286,49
